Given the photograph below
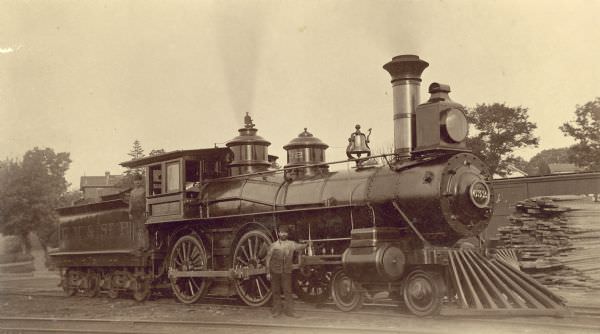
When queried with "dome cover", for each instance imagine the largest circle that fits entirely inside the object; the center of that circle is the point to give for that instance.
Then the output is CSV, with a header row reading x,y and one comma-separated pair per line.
x,y
305,139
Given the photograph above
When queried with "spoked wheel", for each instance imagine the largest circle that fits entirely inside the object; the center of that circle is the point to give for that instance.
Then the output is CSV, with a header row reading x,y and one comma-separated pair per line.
x,y
250,253
423,292
115,281
113,293
187,254
71,282
312,285
141,290
344,295
92,284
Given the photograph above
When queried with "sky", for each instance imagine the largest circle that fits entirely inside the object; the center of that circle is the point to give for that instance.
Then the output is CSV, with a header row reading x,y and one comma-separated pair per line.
x,y
91,77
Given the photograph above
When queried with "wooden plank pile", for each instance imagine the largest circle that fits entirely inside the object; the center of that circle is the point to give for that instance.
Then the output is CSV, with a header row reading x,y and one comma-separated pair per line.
x,y
557,240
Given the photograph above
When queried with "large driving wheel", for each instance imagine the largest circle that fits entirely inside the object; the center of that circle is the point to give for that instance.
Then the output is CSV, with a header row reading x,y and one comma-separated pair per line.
x,y
250,253
344,295
423,292
312,284
188,253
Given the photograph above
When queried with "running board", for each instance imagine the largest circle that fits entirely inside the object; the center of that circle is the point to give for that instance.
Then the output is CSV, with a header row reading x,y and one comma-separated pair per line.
x,y
496,287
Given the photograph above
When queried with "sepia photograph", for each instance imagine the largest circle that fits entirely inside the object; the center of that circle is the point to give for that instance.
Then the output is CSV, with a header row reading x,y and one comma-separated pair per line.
x,y
287,166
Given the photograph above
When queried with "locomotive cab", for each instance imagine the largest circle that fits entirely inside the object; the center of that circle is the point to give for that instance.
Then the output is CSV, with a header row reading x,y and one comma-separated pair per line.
x,y
173,181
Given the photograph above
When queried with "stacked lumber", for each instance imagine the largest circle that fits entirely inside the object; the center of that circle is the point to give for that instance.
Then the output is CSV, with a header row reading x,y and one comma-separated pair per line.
x,y
557,240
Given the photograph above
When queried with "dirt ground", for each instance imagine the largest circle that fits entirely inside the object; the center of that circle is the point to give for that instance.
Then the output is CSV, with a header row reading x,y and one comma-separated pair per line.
x,y
39,296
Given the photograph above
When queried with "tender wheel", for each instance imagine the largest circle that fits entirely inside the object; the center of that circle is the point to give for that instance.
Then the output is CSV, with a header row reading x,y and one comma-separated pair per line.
x,y
188,253
142,290
71,282
423,292
113,293
92,284
112,285
250,253
343,293
312,285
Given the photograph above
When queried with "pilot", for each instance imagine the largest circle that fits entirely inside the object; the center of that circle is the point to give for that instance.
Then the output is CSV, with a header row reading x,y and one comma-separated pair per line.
x,y
137,211
279,272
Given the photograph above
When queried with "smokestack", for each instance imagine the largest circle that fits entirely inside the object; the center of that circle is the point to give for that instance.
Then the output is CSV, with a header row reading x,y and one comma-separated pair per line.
x,y
406,73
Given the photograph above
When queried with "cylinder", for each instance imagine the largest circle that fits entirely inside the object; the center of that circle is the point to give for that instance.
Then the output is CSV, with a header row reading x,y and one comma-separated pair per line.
x,y
381,263
406,73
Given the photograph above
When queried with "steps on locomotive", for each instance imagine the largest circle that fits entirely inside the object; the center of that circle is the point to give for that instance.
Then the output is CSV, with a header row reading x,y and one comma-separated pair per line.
x,y
495,286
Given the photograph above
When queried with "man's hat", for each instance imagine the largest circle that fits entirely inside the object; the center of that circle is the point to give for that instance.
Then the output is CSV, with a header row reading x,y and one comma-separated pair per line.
x,y
284,229
137,177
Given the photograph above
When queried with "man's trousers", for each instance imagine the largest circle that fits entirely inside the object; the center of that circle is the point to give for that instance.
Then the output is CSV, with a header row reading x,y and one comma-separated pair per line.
x,y
282,282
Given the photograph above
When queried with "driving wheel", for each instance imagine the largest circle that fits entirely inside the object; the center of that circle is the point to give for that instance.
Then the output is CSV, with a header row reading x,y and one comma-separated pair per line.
x,y
250,253
188,254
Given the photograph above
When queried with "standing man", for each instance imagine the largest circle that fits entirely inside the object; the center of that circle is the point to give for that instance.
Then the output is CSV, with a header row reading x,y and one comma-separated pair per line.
x,y
279,271
137,212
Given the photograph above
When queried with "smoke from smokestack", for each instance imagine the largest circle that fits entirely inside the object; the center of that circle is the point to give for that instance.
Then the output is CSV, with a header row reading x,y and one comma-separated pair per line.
x,y
239,29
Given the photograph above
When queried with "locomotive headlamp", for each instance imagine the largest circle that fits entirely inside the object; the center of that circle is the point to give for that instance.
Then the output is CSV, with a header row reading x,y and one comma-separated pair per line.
x,y
441,123
454,125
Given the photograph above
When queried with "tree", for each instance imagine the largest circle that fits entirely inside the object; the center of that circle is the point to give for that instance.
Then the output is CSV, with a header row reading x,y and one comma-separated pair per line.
x,y
500,130
156,152
519,163
539,163
586,131
70,198
542,168
135,153
30,191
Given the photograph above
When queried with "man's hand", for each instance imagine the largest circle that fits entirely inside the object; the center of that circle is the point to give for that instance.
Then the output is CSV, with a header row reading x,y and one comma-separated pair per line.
x,y
268,275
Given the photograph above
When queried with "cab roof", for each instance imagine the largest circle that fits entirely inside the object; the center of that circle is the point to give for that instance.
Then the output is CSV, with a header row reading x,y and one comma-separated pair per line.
x,y
217,153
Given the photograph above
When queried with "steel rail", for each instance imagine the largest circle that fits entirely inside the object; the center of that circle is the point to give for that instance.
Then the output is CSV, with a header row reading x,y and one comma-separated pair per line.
x,y
57,322
593,311
187,325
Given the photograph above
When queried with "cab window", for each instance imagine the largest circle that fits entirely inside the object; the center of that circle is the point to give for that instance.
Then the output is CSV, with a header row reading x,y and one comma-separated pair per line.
x,y
173,177
192,171
155,178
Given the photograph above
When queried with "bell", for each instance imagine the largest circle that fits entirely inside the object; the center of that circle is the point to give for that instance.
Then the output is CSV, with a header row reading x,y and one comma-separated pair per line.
x,y
358,144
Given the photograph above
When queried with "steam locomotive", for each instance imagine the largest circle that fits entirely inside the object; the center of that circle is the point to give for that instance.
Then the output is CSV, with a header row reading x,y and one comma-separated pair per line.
x,y
386,223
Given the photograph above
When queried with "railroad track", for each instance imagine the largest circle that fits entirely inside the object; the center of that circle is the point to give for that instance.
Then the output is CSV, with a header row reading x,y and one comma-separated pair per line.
x,y
30,325
586,319
63,325
386,308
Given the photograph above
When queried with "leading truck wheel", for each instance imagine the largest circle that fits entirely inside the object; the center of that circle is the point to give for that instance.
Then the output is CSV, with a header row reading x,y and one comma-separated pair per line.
x,y
344,294
188,254
250,253
423,292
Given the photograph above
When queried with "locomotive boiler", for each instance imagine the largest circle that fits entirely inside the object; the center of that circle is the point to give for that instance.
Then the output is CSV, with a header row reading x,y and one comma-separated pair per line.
x,y
386,223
